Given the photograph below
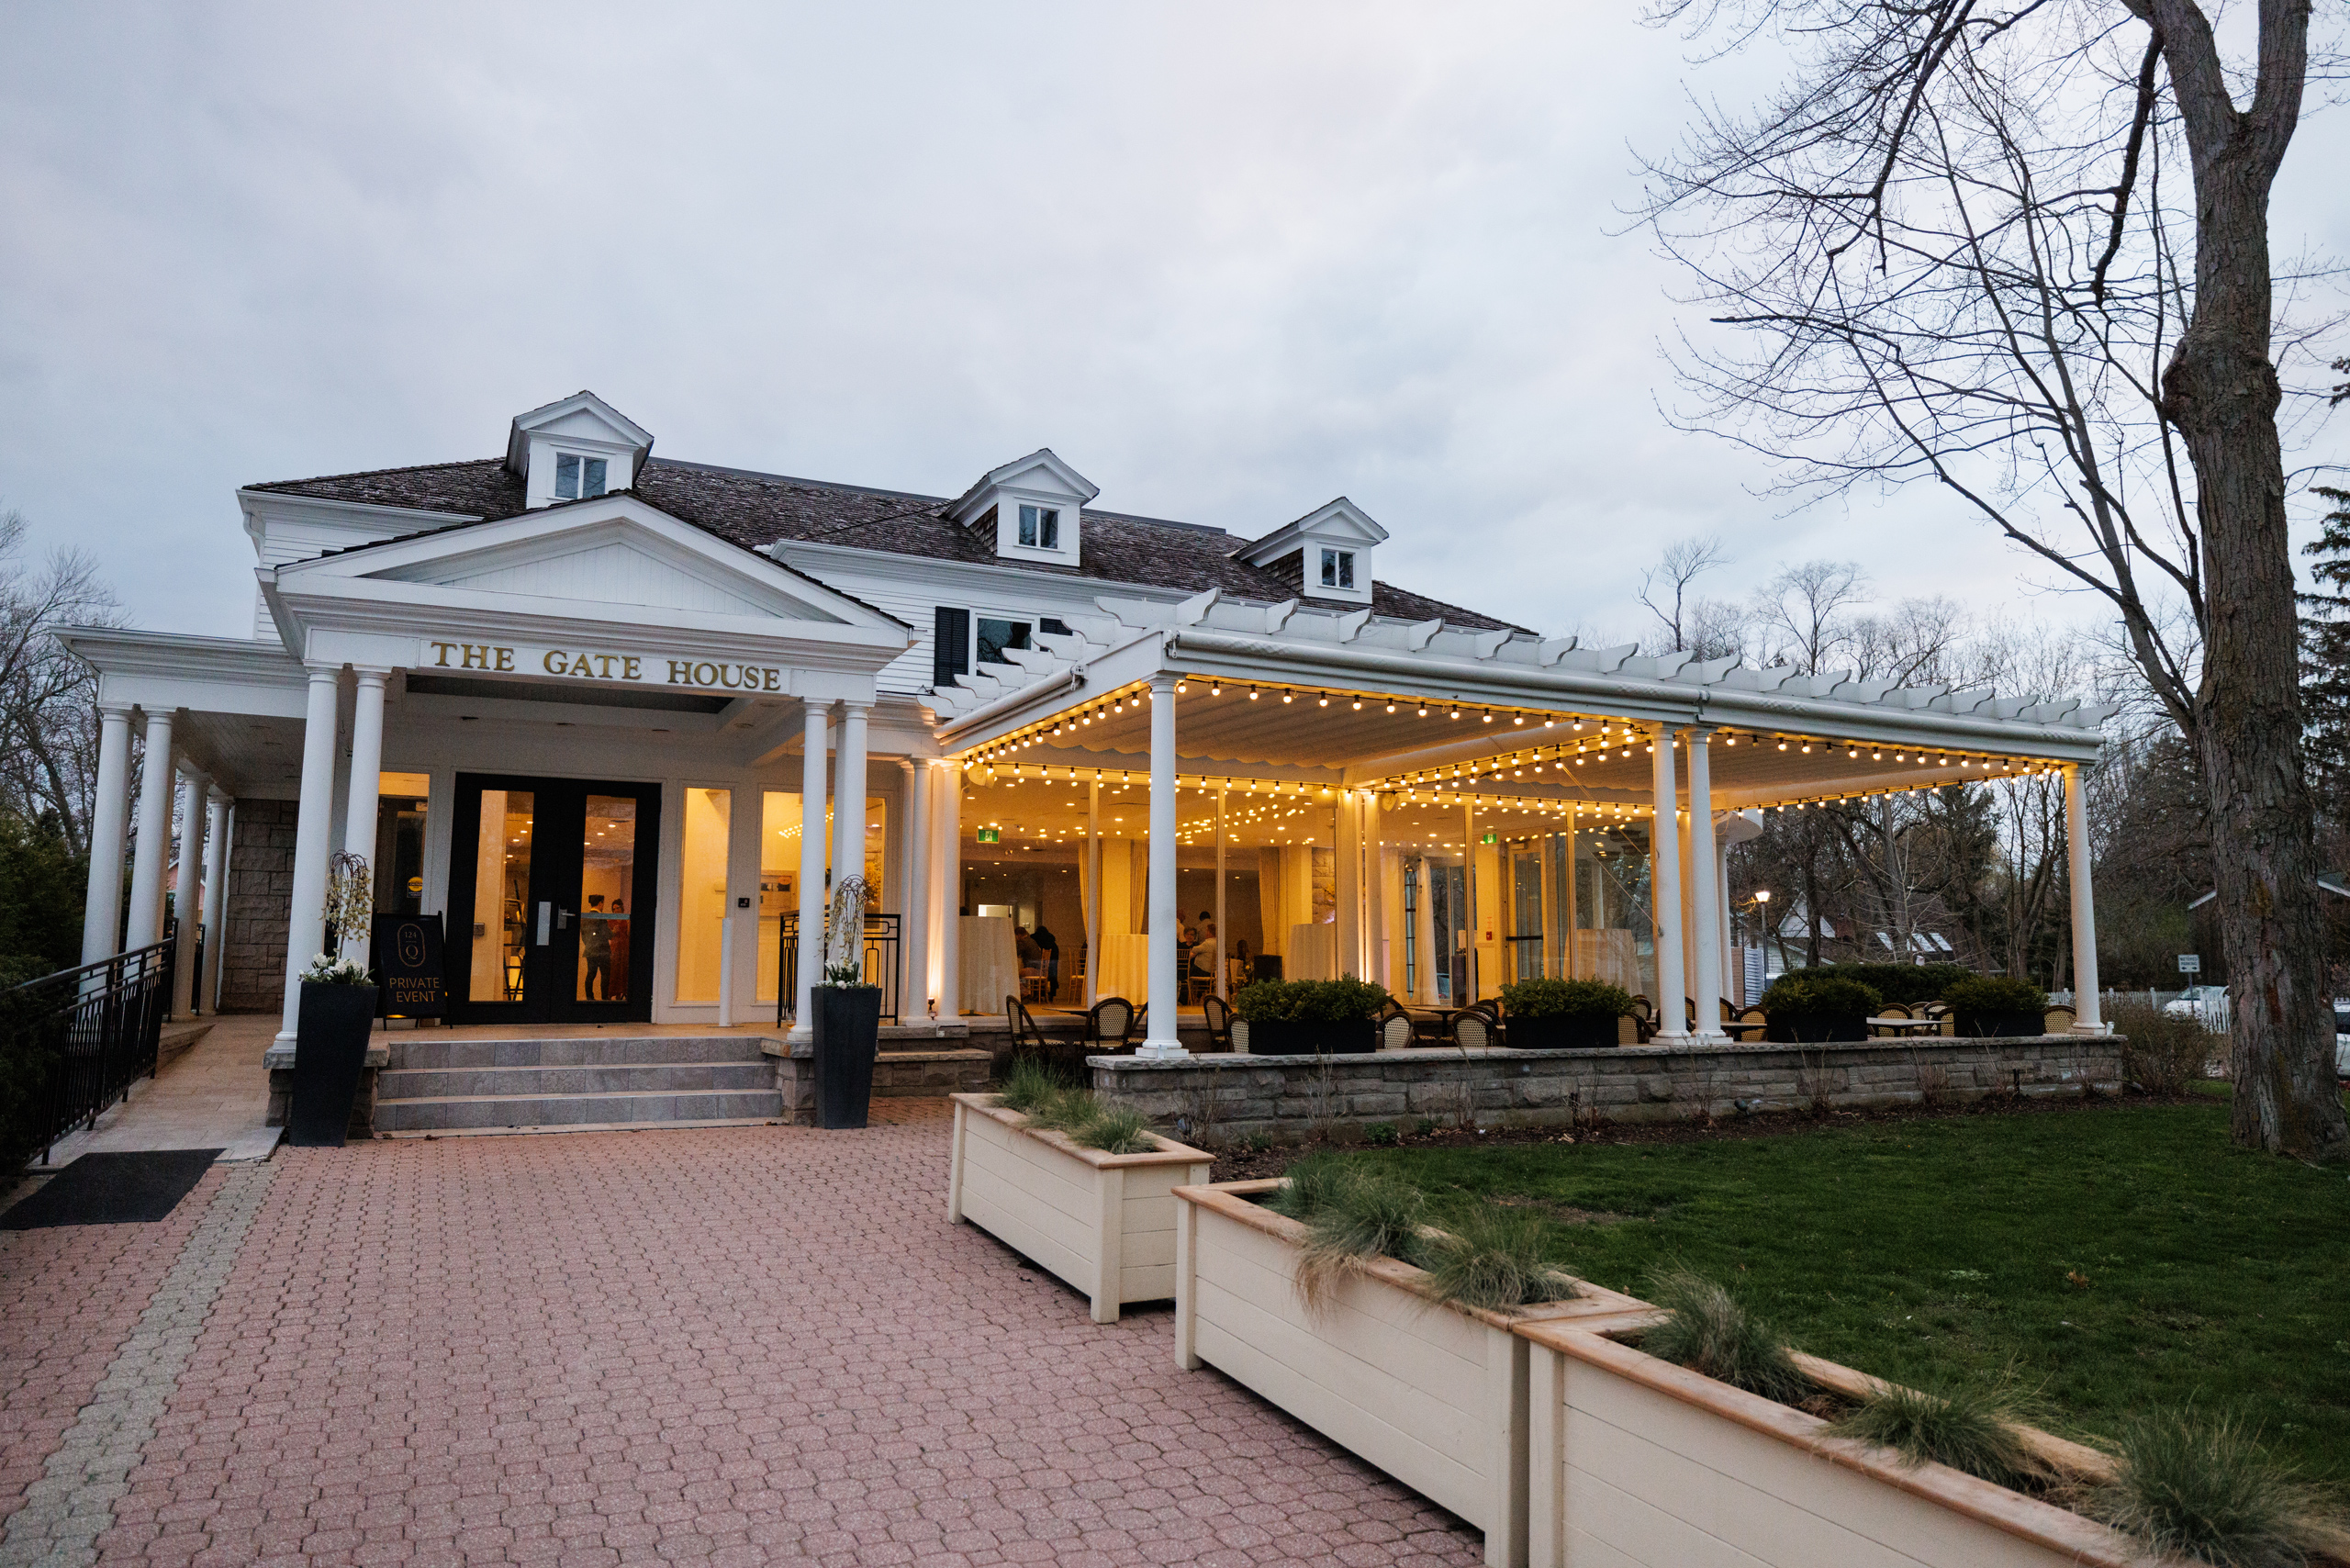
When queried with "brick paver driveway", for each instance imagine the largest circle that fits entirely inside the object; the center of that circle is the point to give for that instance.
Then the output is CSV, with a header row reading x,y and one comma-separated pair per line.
x,y
730,1345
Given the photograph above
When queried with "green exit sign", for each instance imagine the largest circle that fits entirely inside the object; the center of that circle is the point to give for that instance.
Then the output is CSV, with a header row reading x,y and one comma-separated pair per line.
x,y
990,835
1489,837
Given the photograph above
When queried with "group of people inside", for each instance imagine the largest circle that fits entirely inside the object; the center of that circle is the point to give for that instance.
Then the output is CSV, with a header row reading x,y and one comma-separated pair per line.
x,y
1040,950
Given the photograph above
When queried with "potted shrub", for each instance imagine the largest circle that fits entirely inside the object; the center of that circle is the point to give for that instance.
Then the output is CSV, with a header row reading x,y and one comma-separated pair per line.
x,y
1984,1005
1564,1014
336,1011
847,1023
1081,1189
1307,1018
1327,1295
1810,1007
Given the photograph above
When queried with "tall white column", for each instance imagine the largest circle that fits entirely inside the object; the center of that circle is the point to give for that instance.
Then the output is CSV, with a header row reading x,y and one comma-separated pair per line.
x,y
914,899
1664,890
1705,884
1473,929
155,836
1166,919
812,870
849,795
365,788
216,897
186,895
1374,896
2088,1016
1571,915
109,819
1424,934
1733,959
305,922
1222,927
950,910
1348,934
1093,890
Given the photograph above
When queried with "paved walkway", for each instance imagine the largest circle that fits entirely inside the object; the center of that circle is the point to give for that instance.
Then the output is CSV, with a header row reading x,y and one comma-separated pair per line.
x,y
213,1096
732,1346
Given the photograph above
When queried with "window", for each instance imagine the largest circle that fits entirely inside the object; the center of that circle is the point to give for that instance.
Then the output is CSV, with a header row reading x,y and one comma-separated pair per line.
x,y
996,636
577,477
950,648
1339,568
1040,529
1057,627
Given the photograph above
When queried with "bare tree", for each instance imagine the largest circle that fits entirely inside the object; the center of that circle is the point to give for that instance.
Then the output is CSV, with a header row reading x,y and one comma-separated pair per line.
x,y
1803,613
1954,246
1664,587
48,737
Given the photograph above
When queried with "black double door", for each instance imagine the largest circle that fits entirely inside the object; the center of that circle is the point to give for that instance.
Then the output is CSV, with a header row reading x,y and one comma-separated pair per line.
x,y
551,897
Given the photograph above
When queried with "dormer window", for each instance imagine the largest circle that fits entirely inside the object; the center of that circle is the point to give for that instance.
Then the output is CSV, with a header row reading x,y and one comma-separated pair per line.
x,y
1325,554
1040,527
1339,568
577,477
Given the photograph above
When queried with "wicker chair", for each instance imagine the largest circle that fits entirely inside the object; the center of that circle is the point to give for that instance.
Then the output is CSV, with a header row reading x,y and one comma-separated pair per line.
x,y
1218,1013
2058,1021
1109,1027
1890,1010
1396,1029
1746,1023
1940,1012
1643,1016
1475,1028
1028,1040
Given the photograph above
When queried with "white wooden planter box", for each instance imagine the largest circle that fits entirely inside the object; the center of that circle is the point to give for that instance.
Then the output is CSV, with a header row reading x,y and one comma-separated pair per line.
x,y
1635,1461
1105,1223
1433,1394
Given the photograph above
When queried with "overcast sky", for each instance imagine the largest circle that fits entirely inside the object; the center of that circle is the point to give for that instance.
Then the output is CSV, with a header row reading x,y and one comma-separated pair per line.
x,y
1229,260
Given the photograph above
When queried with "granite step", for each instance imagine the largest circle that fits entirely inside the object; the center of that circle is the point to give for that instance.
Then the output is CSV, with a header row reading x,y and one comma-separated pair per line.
x,y
597,1078
418,1049
480,1112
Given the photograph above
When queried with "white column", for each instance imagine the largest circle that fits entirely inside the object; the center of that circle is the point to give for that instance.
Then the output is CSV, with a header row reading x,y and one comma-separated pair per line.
x,y
305,922
154,835
1346,938
1166,918
849,795
1374,895
1093,890
1664,890
812,870
365,787
1472,985
216,897
1424,934
1222,927
1733,959
914,901
2088,1016
950,908
1571,915
187,895
109,819
1705,884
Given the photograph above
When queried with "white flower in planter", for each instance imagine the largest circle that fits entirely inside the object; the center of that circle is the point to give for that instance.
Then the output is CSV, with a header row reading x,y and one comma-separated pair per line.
x,y
845,933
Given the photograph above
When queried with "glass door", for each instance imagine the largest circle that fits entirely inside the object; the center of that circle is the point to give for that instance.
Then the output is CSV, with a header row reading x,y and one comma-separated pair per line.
x,y
550,894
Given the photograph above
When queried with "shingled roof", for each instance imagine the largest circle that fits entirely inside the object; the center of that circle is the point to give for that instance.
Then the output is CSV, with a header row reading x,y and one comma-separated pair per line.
x,y
759,509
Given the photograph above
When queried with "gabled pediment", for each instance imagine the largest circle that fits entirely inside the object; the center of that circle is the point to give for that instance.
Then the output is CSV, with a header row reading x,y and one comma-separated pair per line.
x,y
616,554
1337,521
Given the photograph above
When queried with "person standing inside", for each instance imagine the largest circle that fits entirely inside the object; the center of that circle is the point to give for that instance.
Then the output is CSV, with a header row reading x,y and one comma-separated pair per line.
x,y
1044,938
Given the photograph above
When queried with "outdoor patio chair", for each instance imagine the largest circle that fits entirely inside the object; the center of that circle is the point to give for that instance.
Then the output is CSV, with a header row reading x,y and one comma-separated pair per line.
x,y
2058,1021
1396,1027
1219,1017
1753,1024
1474,1028
1940,1012
1026,1038
1109,1027
1890,1010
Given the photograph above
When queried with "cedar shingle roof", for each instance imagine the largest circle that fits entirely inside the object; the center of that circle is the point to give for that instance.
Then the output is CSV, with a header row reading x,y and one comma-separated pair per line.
x,y
758,509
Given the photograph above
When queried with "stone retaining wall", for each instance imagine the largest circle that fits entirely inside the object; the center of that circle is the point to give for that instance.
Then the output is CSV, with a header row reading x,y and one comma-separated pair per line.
x,y
895,1074
1209,1097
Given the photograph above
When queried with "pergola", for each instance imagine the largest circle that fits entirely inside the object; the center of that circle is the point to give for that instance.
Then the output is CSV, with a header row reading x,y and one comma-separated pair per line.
x,y
1236,715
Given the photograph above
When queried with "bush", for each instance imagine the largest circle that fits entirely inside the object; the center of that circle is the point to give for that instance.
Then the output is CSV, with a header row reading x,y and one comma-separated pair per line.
x,y
1971,1429
1347,1001
1995,993
1908,984
1360,1213
1122,1131
1813,993
1380,1133
2160,1054
1030,1083
1565,999
1709,1332
25,1065
2204,1491
1492,1259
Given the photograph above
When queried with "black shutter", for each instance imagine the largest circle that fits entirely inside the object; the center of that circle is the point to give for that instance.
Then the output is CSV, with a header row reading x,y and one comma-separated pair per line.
x,y
950,648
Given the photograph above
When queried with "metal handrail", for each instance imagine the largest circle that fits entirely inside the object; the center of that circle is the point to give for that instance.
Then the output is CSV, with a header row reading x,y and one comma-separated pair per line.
x,y
90,1032
881,956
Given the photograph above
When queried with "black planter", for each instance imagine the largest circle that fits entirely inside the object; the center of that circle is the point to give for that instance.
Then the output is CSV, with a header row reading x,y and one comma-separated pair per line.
x,y
1816,1031
329,1052
1999,1026
1358,1036
1559,1032
848,1027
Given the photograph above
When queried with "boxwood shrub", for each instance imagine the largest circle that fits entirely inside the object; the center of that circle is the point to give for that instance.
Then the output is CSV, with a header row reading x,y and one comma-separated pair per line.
x,y
1995,993
1909,984
1565,999
1817,993
1347,1001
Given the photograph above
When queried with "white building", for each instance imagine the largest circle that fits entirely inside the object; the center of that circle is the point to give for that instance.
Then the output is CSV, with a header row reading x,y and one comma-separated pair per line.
x,y
566,700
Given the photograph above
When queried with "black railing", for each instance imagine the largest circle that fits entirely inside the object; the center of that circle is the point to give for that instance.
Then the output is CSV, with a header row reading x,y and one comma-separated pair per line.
x,y
881,966
88,1034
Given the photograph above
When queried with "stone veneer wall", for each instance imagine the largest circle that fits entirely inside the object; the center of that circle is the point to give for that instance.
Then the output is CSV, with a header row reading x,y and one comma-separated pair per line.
x,y
261,894
1287,1097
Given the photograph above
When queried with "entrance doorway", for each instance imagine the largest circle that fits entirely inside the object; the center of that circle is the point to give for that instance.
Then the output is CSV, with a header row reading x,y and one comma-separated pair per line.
x,y
551,893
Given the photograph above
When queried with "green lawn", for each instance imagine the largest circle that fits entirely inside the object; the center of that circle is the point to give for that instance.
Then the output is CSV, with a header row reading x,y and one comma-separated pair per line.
x,y
2116,1257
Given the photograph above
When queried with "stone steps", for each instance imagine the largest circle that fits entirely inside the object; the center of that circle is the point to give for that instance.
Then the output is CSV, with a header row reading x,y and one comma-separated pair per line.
x,y
435,1086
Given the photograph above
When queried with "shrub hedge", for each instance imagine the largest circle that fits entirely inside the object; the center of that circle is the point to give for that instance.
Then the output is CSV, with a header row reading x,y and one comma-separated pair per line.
x,y
1819,994
1346,1001
1565,999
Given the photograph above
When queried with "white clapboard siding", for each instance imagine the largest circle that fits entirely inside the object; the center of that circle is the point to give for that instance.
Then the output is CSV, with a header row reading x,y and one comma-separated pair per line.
x,y
1105,1223
1433,1394
1632,1461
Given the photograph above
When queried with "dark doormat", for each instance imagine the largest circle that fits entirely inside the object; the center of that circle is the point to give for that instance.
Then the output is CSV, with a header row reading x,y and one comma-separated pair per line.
x,y
114,1188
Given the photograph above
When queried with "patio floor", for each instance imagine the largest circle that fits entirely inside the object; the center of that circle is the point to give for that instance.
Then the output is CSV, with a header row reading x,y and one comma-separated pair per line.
x,y
736,1345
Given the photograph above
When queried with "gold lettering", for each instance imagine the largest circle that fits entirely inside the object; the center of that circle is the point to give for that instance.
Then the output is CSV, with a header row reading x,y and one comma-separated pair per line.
x,y
476,655
443,649
604,665
505,658
631,667
680,673
726,676
772,682
701,680
555,662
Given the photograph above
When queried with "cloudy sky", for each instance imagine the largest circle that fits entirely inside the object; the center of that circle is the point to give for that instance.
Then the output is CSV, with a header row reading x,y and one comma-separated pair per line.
x,y
1229,260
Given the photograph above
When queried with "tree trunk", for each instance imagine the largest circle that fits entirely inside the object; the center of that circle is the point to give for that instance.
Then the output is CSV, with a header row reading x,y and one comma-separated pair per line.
x,y
2222,394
